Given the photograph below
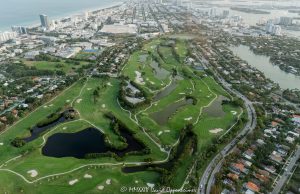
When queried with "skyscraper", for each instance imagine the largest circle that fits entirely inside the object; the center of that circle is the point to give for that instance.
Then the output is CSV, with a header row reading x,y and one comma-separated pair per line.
x,y
213,12
19,29
44,21
286,21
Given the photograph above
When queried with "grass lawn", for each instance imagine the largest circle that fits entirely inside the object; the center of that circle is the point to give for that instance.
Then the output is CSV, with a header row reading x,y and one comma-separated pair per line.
x,y
85,55
55,66
60,184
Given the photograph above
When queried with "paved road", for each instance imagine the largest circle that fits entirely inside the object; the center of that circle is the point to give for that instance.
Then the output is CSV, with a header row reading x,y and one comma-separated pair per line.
x,y
207,179
291,162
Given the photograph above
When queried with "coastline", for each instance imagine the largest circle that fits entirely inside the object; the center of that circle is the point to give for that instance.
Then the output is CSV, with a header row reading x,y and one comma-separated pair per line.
x,y
61,16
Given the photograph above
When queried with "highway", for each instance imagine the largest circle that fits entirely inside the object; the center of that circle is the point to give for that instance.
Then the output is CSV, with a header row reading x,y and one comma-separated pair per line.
x,y
288,169
207,179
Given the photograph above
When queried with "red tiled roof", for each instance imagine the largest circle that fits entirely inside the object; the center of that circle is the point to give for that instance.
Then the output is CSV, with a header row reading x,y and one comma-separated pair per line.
x,y
274,123
239,166
252,187
233,176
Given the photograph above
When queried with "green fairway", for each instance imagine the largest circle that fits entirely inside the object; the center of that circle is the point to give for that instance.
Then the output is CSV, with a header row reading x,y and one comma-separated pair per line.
x,y
176,97
97,183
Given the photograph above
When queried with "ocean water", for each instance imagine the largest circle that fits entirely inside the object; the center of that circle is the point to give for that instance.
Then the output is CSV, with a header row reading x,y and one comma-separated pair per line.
x,y
26,12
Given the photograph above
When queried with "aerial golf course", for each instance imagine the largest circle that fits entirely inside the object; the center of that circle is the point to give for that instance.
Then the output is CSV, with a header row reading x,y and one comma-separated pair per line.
x,y
138,119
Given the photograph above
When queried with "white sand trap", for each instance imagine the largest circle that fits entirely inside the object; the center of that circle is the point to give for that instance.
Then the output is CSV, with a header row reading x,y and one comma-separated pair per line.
x,y
87,176
151,185
79,100
138,78
108,181
159,133
33,173
64,128
1,144
152,82
100,187
50,105
167,131
45,106
233,112
72,182
147,79
215,131
89,89
136,182
67,100
182,93
109,84
103,105
188,119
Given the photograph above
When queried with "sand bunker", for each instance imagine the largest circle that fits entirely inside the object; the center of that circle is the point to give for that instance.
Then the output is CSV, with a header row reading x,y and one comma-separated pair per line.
x,y
215,131
159,133
100,187
109,84
89,89
72,182
67,100
33,173
188,119
108,181
233,112
79,100
1,144
103,105
88,176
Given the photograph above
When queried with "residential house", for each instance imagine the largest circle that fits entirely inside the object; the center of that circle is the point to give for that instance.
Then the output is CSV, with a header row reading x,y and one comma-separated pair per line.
x,y
249,154
251,186
276,157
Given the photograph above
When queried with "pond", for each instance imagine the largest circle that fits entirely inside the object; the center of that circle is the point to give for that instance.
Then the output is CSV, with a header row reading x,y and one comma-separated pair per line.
x,y
159,72
162,117
89,140
216,108
143,58
167,90
263,64
36,131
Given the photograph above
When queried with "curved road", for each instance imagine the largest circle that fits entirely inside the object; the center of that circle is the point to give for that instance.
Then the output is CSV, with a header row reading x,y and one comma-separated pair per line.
x,y
207,179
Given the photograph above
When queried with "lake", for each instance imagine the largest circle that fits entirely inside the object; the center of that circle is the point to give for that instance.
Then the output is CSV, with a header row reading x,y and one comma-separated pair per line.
x,y
26,12
87,141
162,117
263,64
